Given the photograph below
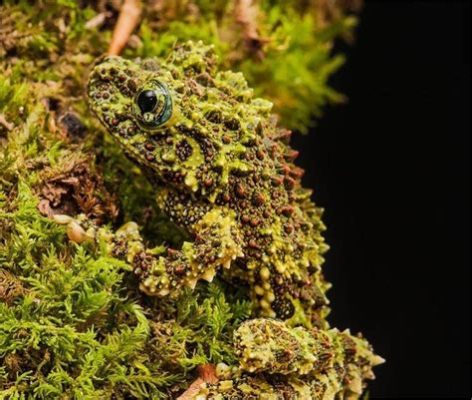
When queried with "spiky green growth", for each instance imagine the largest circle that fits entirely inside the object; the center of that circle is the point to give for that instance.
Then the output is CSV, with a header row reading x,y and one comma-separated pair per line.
x,y
71,331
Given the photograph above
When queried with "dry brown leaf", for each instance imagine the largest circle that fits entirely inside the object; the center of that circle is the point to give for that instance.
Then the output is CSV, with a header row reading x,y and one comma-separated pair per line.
x,y
75,188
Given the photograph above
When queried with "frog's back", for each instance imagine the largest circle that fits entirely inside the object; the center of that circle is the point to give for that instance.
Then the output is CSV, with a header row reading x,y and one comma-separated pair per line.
x,y
249,167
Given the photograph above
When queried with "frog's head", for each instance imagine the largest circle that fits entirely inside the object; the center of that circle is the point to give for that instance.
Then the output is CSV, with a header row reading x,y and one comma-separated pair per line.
x,y
170,116
138,102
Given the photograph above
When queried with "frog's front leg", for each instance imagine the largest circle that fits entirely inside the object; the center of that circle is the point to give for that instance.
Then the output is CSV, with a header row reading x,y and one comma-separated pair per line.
x,y
216,244
166,271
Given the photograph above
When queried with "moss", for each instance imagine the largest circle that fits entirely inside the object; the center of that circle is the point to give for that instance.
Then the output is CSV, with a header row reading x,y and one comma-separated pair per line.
x,y
73,327
72,331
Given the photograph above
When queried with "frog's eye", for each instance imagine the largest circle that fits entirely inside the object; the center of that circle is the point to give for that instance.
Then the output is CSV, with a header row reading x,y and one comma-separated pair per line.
x,y
147,101
153,105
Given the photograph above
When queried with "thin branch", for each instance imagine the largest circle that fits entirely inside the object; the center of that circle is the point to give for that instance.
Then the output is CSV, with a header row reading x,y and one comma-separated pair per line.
x,y
207,374
98,20
246,13
128,20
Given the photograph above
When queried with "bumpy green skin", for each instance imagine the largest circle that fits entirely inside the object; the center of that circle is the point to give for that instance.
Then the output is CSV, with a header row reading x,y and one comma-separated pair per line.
x,y
265,345
223,171
296,363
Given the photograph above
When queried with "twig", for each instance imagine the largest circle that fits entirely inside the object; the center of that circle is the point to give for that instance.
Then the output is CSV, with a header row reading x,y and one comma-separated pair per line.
x,y
207,374
246,12
127,22
97,21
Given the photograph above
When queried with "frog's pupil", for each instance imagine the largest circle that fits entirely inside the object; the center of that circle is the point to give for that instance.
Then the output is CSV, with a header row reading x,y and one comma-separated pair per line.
x,y
147,101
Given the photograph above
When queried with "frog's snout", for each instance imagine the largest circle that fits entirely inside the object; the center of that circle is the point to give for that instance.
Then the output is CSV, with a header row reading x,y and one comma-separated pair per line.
x,y
103,77
111,82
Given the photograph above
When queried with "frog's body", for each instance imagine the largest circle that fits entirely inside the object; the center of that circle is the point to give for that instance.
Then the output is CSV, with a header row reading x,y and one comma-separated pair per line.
x,y
224,171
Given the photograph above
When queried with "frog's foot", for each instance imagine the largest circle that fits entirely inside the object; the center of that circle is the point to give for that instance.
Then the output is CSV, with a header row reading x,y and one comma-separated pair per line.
x,y
217,244
80,229
277,361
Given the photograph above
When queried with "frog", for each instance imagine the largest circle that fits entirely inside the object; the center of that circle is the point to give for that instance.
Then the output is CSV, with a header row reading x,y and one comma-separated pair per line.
x,y
223,171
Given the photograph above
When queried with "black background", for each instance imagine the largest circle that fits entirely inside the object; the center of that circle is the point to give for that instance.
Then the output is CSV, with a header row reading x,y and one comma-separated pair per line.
x,y
392,170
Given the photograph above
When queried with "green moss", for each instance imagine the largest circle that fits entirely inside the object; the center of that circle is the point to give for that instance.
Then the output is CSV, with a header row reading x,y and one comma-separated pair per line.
x,y
73,332
78,330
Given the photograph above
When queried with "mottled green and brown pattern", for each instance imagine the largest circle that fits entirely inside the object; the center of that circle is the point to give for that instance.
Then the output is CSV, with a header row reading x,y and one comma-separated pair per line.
x,y
224,171
279,362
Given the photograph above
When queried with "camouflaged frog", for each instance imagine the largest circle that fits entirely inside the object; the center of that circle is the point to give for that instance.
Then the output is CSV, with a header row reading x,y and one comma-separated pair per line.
x,y
223,170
